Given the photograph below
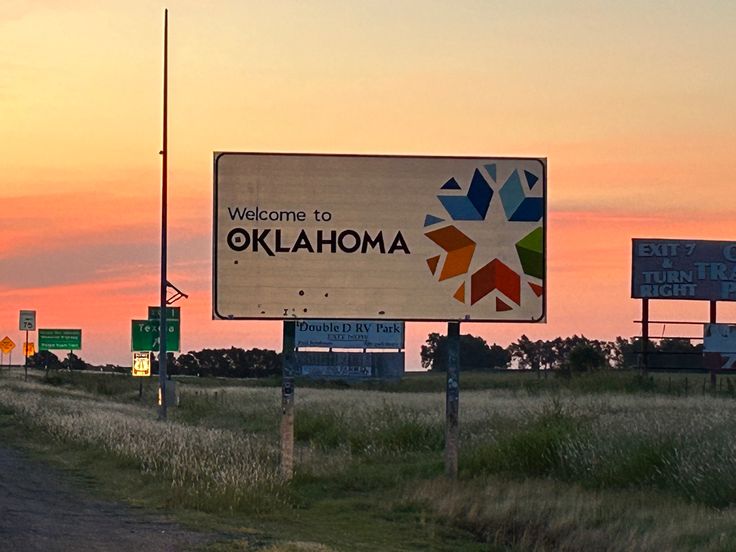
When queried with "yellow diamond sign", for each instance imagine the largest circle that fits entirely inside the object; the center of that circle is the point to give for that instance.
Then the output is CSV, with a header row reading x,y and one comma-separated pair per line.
x,y
7,345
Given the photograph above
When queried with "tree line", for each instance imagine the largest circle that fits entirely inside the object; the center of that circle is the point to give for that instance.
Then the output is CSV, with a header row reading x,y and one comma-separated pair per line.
x,y
574,354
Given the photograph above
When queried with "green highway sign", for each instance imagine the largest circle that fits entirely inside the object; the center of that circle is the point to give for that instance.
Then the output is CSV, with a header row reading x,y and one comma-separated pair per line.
x,y
145,335
172,313
66,340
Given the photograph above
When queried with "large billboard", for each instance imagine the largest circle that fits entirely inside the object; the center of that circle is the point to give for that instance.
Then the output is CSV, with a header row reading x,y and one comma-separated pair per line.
x,y
379,237
683,269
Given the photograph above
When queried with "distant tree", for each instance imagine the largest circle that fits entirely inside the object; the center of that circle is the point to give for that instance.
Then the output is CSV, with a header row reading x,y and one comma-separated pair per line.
x,y
43,360
586,357
233,363
527,353
73,362
628,351
678,354
187,365
475,354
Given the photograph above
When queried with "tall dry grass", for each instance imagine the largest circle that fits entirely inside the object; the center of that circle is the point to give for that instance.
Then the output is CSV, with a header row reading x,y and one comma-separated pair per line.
x,y
206,468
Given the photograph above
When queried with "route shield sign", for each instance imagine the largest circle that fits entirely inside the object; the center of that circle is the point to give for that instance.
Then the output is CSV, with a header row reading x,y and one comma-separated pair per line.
x,y
145,335
64,340
141,364
27,320
7,345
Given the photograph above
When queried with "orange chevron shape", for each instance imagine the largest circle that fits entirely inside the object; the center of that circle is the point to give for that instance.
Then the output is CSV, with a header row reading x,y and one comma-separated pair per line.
x,y
495,275
459,247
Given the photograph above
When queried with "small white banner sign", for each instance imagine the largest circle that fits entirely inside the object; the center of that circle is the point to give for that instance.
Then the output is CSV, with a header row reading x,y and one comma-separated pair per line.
x,y
719,345
350,334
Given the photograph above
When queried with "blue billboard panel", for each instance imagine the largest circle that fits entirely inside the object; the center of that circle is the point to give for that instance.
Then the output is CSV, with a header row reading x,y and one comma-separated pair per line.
x,y
350,334
350,366
683,269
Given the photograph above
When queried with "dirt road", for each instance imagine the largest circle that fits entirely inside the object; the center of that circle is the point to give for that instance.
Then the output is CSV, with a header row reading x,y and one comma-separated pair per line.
x,y
40,510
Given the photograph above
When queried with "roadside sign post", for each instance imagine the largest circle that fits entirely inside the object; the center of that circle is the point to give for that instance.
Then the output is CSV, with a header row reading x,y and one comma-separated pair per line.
x,y
681,269
141,368
452,400
27,323
302,237
6,347
287,400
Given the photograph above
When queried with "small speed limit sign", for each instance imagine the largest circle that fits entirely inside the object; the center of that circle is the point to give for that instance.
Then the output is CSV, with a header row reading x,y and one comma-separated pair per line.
x,y
28,320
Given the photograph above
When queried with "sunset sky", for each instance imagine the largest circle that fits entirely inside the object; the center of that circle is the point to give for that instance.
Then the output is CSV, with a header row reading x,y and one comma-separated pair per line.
x,y
631,102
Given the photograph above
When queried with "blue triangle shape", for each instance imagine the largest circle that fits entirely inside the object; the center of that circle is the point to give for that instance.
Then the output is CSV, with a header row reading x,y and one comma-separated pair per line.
x,y
531,179
450,185
429,220
492,170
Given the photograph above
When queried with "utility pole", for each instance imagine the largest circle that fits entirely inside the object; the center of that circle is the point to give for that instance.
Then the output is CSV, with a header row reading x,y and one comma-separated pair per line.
x,y
163,333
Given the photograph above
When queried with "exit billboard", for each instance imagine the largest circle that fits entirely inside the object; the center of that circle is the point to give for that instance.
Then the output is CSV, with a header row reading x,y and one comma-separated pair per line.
x,y
379,237
683,269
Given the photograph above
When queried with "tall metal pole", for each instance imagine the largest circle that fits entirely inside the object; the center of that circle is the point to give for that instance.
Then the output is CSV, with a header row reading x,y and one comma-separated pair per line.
x,y
163,333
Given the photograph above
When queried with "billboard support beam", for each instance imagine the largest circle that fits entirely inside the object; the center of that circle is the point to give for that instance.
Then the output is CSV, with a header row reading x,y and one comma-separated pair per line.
x,y
287,400
714,369
644,336
452,400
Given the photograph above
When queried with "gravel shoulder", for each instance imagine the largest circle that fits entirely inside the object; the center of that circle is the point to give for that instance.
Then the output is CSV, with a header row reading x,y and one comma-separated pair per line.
x,y
40,510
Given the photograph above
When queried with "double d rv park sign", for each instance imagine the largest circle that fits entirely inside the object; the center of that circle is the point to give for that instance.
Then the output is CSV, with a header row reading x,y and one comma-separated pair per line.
x,y
379,237
683,269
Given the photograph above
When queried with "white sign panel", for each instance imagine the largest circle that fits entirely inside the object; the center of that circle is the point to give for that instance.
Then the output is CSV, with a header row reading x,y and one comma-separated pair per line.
x,y
350,334
28,320
719,345
378,237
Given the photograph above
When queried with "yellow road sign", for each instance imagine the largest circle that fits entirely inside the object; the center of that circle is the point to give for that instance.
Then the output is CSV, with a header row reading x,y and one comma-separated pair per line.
x,y
141,364
29,348
7,345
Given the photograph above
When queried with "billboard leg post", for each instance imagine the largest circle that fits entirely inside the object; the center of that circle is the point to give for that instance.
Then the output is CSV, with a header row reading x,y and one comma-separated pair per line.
x,y
644,337
714,369
287,400
452,400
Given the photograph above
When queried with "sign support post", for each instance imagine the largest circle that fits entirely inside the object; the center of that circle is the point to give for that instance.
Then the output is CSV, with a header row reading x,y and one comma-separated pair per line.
x,y
644,336
452,400
287,401
25,354
714,369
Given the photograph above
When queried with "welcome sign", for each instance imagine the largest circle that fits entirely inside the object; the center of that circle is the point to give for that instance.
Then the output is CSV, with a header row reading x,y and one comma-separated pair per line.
x,y
379,237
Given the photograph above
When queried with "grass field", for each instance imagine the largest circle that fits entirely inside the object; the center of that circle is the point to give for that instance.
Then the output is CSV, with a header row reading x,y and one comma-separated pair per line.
x,y
608,461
